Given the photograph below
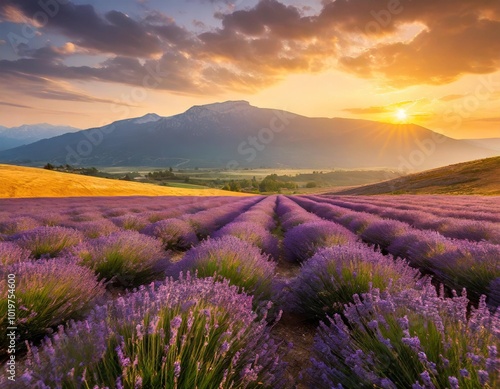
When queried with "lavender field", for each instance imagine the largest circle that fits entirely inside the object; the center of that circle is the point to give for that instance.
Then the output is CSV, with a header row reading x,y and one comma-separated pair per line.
x,y
247,292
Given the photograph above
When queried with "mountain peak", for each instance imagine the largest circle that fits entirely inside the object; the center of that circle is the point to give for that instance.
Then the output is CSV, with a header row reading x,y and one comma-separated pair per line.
x,y
224,107
149,117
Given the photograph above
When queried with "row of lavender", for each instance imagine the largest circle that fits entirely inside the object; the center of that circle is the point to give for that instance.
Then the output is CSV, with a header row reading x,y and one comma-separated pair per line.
x,y
227,344
476,226
62,271
458,263
463,207
371,339
339,268
407,336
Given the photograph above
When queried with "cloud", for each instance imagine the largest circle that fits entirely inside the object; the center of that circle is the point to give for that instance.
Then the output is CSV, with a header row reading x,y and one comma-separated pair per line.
x,y
172,71
487,120
381,109
274,39
258,46
45,88
460,37
366,111
15,105
114,33
452,97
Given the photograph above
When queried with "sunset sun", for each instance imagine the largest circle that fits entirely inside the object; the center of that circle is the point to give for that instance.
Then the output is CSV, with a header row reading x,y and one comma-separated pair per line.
x,y
402,115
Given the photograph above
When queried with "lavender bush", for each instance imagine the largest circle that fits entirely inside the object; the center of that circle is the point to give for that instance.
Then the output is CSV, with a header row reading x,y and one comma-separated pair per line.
x,y
258,216
48,241
285,205
383,232
50,219
414,339
11,253
303,241
125,258
228,257
174,233
472,265
252,233
185,334
95,229
130,222
115,212
329,279
156,216
18,224
86,216
48,293
294,219
471,230
358,222
419,247
208,221
494,292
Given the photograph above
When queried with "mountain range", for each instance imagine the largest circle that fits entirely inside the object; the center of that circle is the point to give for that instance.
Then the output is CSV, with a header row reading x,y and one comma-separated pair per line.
x,y
235,134
30,133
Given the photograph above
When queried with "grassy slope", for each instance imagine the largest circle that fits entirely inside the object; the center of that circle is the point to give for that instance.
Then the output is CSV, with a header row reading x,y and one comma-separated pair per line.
x,y
17,181
480,177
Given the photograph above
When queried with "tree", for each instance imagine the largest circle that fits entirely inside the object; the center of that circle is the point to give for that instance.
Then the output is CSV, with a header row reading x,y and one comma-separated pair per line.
x,y
235,186
49,166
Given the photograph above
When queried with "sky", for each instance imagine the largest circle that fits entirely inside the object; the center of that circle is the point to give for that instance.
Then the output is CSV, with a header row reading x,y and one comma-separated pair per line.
x,y
86,63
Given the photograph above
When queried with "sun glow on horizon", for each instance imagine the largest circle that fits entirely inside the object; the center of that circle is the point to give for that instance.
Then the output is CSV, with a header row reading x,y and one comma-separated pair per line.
x,y
402,115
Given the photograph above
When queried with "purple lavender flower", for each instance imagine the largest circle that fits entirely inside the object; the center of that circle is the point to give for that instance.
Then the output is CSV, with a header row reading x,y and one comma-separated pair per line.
x,y
127,258
208,221
48,241
174,233
384,232
48,292
333,275
252,233
306,239
356,353
18,224
220,315
228,257
11,253
130,222
95,229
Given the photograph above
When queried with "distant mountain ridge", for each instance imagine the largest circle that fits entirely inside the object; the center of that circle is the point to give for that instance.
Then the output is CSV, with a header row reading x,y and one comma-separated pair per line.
x,y
236,134
488,143
29,133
